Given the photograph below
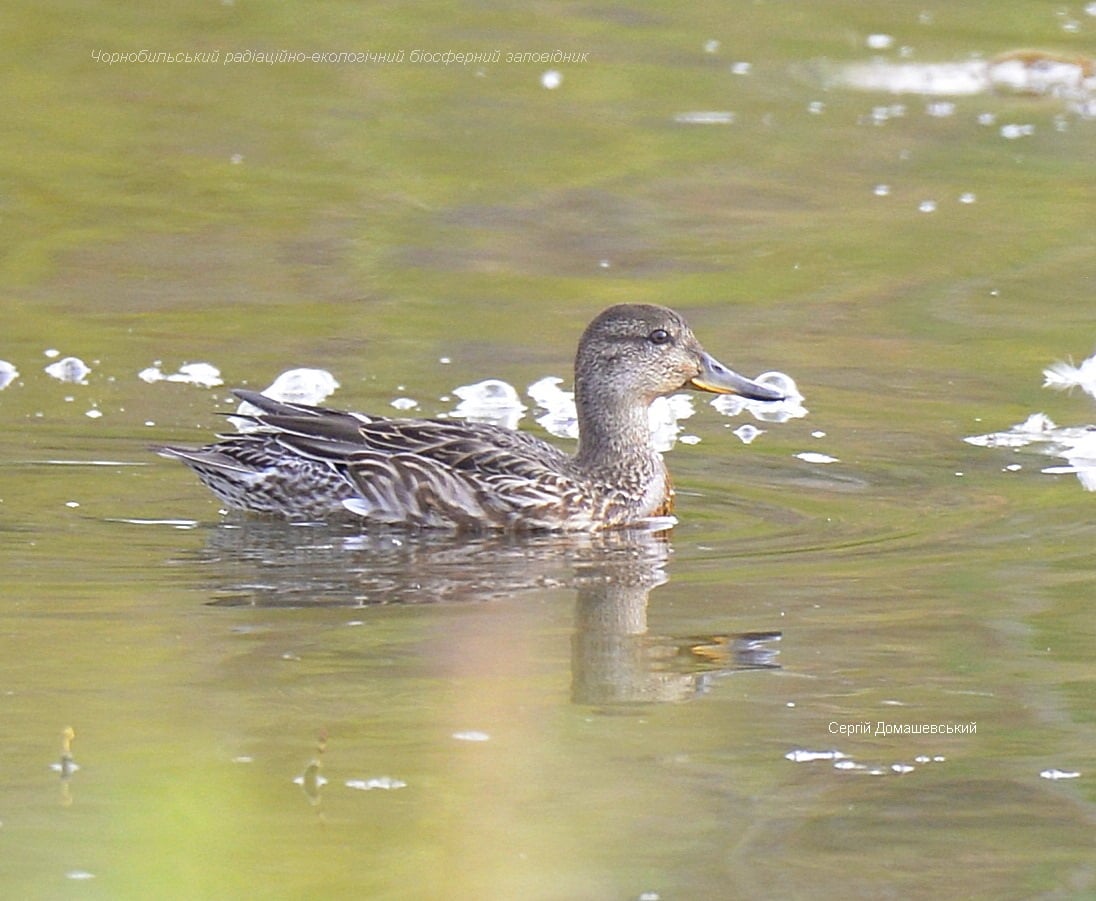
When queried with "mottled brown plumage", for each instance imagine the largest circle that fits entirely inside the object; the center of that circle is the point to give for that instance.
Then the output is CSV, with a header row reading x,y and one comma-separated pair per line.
x,y
312,463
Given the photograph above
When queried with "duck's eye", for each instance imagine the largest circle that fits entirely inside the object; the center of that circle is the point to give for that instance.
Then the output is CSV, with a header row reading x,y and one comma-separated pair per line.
x,y
659,336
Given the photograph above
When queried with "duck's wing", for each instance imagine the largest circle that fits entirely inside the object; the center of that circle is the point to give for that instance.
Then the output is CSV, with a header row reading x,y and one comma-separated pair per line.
x,y
459,443
432,472
419,490
275,416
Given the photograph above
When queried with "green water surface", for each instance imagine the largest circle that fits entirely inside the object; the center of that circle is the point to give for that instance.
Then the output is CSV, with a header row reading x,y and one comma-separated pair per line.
x,y
562,718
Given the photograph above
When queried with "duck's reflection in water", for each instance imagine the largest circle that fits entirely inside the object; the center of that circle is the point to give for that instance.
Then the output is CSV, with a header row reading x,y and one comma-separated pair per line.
x,y
616,661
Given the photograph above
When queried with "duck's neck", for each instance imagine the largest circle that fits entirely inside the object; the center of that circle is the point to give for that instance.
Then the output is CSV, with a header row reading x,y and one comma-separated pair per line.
x,y
614,437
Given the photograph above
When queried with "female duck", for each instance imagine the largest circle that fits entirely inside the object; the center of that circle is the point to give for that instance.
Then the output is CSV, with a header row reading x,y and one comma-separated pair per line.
x,y
313,463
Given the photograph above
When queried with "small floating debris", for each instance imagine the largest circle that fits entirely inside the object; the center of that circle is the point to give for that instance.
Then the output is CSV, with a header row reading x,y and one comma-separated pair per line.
x,y
471,735
8,374
551,79
883,114
491,400
561,419
1055,773
1037,427
294,386
1033,72
1076,445
1081,458
844,763
1036,72
663,416
404,403
90,463
814,457
746,433
69,369
800,755
204,375
705,117
1063,376
384,783
79,875
302,386
174,523
791,407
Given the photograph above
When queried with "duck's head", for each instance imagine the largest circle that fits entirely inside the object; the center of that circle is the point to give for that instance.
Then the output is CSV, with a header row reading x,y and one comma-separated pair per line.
x,y
644,351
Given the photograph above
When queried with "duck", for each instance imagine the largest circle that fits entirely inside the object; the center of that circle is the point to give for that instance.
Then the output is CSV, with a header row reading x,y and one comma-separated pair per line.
x,y
310,463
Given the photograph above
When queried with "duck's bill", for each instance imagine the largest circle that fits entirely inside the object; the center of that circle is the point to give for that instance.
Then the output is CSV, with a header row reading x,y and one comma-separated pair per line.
x,y
718,379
